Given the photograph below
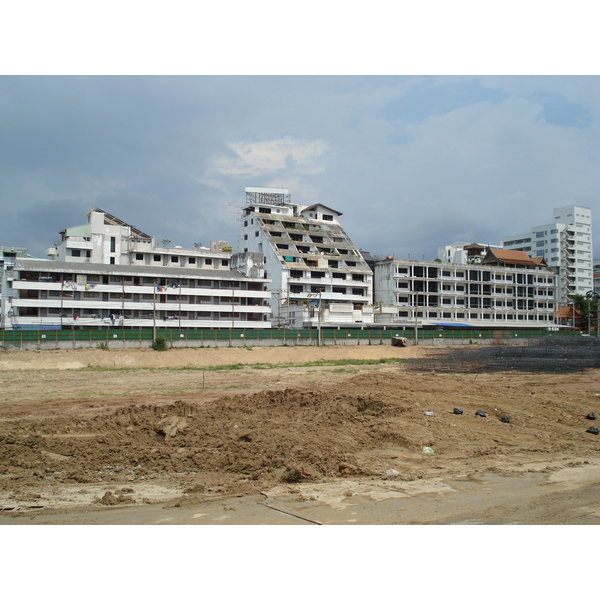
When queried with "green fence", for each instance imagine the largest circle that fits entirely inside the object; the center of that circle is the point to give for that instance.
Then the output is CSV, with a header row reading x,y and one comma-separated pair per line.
x,y
291,336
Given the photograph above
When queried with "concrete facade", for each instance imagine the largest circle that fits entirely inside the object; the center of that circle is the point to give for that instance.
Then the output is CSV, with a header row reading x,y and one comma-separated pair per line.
x,y
411,293
318,275
566,246
52,294
105,239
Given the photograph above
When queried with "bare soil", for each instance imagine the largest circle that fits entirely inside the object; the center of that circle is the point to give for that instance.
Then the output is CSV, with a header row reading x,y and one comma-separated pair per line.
x,y
143,436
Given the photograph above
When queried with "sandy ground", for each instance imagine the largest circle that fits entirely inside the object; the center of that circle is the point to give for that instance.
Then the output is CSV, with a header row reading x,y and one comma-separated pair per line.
x,y
137,436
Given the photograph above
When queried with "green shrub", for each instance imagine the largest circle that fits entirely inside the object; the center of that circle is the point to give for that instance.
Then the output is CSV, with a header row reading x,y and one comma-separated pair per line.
x,y
160,343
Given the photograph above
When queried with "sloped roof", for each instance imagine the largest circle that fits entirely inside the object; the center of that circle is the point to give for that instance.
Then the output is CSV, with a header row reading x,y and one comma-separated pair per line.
x,y
512,257
540,261
312,207
112,220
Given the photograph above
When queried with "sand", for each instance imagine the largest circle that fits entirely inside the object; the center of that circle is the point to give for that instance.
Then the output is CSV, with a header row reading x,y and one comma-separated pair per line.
x,y
144,436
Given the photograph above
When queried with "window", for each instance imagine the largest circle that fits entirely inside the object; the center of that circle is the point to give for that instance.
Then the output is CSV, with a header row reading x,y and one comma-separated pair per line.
x,y
139,256
156,257
327,218
112,260
192,260
208,261
256,234
113,243
225,262
245,236
174,259
75,252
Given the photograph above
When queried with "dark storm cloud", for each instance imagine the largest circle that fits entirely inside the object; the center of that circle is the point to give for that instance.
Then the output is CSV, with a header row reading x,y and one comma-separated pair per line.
x,y
412,162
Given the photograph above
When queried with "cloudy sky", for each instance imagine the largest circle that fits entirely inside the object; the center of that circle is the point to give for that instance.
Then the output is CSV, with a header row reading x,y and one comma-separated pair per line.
x,y
412,162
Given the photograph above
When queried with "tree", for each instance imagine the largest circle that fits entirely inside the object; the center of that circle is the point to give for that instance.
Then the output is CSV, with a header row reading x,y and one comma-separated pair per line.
x,y
587,309
198,245
165,242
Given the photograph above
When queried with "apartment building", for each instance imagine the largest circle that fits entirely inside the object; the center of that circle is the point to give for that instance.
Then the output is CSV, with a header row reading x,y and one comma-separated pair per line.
x,y
565,245
318,275
106,239
53,294
505,289
8,259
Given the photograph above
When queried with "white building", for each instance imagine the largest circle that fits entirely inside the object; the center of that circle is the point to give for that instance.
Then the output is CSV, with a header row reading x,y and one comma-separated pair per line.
x,y
565,245
105,239
463,253
310,259
8,259
504,290
53,294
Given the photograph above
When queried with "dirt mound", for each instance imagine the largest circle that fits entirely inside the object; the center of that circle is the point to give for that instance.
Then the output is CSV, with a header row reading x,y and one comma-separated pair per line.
x,y
375,425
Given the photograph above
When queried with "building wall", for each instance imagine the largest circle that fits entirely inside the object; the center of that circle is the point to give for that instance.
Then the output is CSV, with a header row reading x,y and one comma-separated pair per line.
x,y
565,245
92,296
438,294
100,241
309,258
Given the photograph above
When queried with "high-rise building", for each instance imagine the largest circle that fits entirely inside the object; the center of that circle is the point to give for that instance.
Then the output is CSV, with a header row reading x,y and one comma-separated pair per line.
x,y
318,275
565,245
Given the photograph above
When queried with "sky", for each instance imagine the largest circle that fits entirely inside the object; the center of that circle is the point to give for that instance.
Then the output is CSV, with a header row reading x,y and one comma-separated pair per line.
x,y
376,117
412,162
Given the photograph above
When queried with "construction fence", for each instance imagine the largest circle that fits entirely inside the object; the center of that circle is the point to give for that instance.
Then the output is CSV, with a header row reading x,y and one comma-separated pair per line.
x,y
116,337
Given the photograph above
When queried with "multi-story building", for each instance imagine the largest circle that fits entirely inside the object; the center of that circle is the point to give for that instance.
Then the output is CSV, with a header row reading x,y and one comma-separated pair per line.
x,y
462,253
8,259
105,239
505,289
53,294
565,245
319,276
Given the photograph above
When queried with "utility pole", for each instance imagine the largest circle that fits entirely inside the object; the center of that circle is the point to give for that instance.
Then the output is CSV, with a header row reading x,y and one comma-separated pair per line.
x,y
154,312
416,323
319,319
314,295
